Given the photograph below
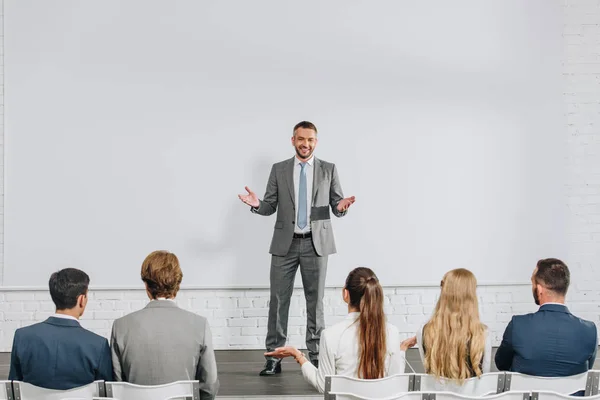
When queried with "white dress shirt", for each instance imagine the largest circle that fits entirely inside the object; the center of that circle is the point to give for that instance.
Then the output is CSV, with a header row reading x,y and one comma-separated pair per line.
x,y
309,189
338,353
64,316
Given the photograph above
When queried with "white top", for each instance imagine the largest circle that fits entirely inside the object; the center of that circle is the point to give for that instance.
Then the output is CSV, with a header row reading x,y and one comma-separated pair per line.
x,y
64,316
338,353
309,189
486,365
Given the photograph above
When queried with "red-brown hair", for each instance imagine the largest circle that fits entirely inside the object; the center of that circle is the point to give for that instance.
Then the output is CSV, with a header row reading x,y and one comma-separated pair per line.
x,y
162,274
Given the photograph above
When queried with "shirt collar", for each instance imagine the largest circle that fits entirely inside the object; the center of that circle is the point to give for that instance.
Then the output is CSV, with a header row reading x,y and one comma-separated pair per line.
x,y
309,161
353,315
553,303
64,316
163,299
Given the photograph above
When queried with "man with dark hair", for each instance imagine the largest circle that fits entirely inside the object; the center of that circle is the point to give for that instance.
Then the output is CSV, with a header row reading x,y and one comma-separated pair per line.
x,y
301,189
58,353
552,341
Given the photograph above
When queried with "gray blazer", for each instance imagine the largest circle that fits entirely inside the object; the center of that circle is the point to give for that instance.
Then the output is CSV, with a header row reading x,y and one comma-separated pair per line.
x,y
162,343
280,197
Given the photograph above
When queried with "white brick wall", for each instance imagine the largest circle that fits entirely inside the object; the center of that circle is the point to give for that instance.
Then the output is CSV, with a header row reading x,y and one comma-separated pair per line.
x,y
239,317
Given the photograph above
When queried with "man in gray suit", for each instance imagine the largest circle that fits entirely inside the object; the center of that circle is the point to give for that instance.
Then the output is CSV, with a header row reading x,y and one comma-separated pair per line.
x,y
162,343
301,190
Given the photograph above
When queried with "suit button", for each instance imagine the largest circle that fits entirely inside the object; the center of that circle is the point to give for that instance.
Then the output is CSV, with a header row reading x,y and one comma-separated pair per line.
x,y
293,222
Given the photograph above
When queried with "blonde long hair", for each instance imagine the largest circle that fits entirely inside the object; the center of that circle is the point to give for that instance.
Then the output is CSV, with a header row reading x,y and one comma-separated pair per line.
x,y
454,337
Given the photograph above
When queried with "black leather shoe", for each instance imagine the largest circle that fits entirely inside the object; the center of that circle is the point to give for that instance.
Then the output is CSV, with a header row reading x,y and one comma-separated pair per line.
x,y
315,363
272,367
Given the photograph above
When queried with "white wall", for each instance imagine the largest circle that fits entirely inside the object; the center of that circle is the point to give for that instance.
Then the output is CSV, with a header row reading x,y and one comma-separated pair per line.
x,y
239,317
151,116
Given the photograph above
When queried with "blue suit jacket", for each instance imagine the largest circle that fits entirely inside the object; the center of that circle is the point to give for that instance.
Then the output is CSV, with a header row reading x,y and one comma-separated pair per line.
x,y
550,342
59,354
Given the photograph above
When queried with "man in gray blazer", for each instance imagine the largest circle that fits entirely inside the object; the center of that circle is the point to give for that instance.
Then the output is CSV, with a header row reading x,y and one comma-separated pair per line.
x,y
162,343
301,190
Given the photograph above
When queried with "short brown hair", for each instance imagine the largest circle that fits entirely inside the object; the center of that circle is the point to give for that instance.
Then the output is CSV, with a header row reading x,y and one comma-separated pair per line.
x,y
162,274
305,125
553,274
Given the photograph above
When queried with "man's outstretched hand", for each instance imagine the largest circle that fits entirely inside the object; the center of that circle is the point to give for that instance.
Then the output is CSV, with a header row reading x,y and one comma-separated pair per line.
x,y
344,204
249,198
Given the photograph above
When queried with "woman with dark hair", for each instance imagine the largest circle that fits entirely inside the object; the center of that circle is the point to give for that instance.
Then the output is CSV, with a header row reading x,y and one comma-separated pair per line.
x,y
363,345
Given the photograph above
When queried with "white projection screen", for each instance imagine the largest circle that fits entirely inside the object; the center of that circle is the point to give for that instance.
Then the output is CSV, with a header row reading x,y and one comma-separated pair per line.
x,y
132,126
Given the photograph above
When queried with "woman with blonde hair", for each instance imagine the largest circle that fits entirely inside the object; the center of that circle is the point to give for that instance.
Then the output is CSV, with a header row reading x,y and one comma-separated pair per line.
x,y
454,344
363,345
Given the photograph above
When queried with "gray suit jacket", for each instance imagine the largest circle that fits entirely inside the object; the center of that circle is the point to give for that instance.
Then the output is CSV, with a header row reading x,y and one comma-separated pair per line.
x,y
162,343
280,197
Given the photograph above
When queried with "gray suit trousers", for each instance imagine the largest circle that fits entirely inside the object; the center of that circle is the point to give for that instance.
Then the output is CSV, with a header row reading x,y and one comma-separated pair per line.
x,y
313,269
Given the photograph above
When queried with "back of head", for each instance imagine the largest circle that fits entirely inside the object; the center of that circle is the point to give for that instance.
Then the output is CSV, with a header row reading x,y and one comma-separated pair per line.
x,y
366,295
553,275
161,274
66,286
454,337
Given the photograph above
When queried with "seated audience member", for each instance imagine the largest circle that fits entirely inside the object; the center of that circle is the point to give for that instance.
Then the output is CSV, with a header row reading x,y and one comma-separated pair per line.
x,y
162,343
363,346
551,341
58,353
454,344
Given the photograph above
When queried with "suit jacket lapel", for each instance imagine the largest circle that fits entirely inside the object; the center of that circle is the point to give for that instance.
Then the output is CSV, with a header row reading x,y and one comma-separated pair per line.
x,y
317,178
289,177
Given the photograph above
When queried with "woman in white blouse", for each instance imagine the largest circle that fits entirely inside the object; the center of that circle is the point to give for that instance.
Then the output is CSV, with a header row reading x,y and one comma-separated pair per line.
x,y
454,344
363,345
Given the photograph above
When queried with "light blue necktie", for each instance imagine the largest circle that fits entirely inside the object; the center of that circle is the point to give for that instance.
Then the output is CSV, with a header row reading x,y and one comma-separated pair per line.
x,y
302,214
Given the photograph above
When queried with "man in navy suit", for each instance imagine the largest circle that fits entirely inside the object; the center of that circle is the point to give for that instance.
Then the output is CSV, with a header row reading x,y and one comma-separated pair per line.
x,y
58,353
552,341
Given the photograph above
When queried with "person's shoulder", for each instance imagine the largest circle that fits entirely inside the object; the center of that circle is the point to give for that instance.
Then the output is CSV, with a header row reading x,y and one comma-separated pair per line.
x,y
127,319
282,163
524,318
192,316
325,164
587,325
93,338
336,329
33,329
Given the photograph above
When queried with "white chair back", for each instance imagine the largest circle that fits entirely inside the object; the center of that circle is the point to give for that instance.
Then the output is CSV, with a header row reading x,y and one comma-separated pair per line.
x,y
564,384
501,396
27,391
484,385
402,396
558,396
369,388
181,389
6,392
104,398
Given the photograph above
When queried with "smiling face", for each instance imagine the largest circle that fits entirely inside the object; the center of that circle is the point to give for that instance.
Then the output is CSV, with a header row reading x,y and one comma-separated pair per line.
x,y
304,141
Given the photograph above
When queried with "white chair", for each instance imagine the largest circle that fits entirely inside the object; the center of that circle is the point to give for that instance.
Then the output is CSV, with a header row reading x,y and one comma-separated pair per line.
x,y
369,388
564,384
104,398
189,390
6,392
489,383
502,396
402,396
27,391
559,396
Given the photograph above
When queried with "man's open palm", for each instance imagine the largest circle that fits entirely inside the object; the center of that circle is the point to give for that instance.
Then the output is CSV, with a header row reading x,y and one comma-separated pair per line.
x,y
344,204
251,199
